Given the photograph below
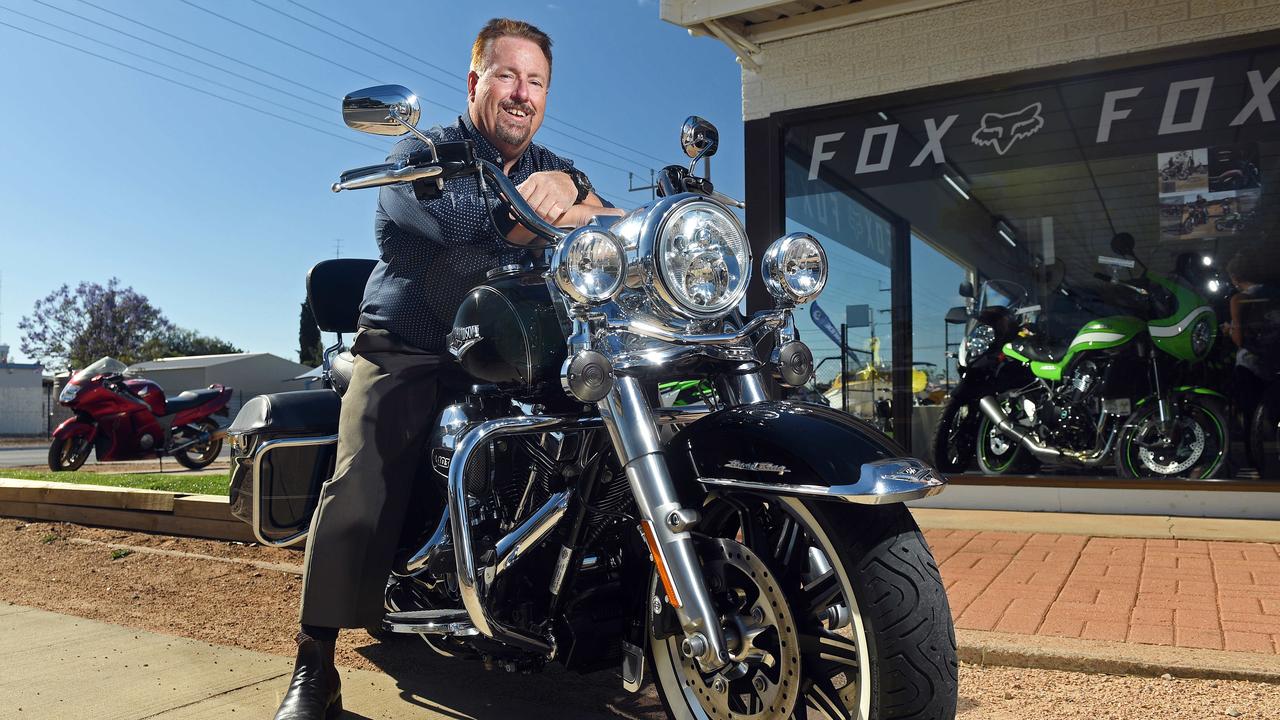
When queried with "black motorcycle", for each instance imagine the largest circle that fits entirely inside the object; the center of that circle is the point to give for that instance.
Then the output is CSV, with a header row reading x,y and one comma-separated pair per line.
x,y
997,319
752,557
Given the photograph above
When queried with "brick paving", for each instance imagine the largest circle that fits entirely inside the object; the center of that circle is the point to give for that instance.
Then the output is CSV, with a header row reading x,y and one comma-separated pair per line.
x,y
1184,593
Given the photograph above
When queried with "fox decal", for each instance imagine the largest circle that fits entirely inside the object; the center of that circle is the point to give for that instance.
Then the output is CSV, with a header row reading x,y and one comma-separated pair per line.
x,y
1001,131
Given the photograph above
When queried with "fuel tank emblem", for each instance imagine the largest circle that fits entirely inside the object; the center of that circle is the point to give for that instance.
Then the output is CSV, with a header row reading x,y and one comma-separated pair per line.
x,y
462,338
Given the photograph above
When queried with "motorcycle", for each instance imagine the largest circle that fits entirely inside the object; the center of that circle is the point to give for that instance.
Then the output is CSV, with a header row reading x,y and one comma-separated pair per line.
x,y
123,418
736,553
998,319
1233,221
1111,395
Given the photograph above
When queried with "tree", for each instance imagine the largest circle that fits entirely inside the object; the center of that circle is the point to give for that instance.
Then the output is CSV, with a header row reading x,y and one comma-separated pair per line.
x,y
310,347
180,342
72,328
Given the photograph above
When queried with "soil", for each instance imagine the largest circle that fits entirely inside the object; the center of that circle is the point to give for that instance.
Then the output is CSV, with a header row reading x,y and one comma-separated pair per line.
x,y
247,596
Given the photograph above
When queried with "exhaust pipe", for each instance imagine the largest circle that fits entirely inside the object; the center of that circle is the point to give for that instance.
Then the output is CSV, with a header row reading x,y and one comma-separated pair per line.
x,y
1043,452
992,410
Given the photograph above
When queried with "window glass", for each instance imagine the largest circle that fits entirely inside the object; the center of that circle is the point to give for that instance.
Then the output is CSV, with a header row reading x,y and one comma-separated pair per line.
x,y
1135,208
856,300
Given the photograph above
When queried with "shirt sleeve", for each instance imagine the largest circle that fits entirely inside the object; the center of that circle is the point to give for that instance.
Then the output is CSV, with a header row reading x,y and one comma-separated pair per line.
x,y
459,216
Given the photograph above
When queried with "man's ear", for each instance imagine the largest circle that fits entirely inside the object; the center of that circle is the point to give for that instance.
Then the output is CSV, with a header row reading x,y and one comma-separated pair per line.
x,y
473,79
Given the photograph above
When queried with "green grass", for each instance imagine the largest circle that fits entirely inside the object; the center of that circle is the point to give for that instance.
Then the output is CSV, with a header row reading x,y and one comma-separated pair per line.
x,y
171,482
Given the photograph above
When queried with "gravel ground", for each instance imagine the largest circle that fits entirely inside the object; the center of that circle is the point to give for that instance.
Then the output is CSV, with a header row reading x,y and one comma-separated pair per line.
x,y
249,599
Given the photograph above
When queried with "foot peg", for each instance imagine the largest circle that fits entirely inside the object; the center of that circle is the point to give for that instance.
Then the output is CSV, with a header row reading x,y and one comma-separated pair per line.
x,y
454,622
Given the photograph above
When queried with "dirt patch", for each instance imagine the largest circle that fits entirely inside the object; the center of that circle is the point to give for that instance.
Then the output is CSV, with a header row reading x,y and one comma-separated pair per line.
x,y
83,571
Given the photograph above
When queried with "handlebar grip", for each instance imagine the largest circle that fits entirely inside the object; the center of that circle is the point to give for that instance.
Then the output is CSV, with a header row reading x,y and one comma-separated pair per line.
x,y
360,172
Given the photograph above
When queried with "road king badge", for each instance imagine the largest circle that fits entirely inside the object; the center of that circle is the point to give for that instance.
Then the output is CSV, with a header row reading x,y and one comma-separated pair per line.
x,y
758,467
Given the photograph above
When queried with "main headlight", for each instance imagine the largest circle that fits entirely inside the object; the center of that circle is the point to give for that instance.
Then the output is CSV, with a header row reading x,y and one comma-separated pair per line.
x,y
589,265
703,260
1202,335
68,393
979,341
795,268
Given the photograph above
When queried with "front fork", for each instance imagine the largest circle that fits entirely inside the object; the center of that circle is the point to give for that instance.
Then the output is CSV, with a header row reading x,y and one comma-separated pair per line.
x,y
666,524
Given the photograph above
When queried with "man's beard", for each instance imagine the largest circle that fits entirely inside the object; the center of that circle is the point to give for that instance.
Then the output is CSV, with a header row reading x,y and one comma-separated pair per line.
x,y
514,137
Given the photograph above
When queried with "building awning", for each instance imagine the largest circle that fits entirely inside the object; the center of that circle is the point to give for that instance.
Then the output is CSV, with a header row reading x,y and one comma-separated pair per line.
x,y
744,25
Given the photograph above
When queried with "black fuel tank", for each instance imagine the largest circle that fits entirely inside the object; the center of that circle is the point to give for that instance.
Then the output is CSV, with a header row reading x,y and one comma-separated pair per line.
x,y
509,333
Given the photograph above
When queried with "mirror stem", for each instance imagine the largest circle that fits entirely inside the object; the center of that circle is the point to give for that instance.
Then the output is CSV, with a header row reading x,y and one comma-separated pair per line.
x,y
435,158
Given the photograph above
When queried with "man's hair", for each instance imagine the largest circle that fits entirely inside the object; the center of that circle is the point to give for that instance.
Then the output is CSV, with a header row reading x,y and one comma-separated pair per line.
x,y
506,27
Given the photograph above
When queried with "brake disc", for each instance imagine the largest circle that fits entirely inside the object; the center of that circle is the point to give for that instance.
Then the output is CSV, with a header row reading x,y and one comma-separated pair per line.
x,y
762,681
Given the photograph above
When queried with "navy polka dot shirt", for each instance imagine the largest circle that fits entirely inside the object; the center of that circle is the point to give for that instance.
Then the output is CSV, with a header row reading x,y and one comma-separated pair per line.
x,y
432,252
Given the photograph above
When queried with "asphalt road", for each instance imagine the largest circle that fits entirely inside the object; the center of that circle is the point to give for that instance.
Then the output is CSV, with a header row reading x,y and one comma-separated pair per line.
x,y
24,455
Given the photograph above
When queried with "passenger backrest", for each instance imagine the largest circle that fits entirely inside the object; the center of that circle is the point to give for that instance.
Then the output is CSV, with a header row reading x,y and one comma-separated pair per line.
x,y
334,291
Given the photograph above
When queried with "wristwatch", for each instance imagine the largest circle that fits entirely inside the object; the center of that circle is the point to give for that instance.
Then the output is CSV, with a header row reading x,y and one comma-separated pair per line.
x,y
580,181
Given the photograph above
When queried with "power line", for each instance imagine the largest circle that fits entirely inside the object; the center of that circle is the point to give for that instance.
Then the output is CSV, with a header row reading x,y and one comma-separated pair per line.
x,y
211,51
157,45
383,57
448,72
161,64
179,83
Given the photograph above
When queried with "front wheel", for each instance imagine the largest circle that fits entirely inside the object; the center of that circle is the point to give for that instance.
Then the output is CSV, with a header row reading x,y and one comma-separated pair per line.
x,y
68,453
829,610
1192,443
955,438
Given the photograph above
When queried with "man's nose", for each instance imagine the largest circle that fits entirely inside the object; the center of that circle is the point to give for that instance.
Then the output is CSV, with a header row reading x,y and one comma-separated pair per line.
x,y
520,92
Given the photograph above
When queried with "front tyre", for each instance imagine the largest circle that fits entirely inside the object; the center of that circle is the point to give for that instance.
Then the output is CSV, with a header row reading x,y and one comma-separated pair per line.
x,y
68,453
1193,443
834,611
955,438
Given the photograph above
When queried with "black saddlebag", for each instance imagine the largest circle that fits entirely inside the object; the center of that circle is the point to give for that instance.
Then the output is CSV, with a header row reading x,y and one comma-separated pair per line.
x,y
283,448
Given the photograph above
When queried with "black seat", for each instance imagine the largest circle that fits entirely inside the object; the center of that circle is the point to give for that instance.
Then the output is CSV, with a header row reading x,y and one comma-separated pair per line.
x,y
334,291
1034,350
188,399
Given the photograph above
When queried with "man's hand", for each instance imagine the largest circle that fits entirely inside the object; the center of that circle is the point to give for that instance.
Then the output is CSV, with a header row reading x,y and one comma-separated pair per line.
x,y
550,193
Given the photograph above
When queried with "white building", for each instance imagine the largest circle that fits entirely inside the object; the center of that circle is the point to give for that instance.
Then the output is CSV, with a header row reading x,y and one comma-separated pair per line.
x,y
22,399
248,374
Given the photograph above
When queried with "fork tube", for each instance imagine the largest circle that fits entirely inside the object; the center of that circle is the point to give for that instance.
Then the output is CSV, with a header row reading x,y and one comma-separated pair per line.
x,y
629,419
746,389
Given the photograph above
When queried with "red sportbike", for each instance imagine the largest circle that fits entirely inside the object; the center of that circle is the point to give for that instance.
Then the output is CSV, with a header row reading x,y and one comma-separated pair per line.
x,y
131,419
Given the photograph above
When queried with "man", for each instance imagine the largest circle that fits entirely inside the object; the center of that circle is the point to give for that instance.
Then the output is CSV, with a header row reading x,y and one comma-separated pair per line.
x,y
433,251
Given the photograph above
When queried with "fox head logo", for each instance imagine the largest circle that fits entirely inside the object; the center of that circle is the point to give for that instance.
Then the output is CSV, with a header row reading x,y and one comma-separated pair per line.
x,y
1002,131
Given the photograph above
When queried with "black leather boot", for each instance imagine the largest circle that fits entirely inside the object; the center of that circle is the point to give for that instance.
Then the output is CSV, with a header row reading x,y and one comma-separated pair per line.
x,y
315,693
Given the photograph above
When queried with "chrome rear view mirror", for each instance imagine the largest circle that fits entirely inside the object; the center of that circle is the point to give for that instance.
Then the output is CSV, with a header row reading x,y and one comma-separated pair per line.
x,y
382,110
699,138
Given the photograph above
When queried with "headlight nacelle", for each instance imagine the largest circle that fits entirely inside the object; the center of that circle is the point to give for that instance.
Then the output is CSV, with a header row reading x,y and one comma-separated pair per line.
x,y
795,268
589,265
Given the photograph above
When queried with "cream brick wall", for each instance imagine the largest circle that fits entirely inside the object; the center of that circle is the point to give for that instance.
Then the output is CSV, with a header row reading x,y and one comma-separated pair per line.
x,y
22,410
979,38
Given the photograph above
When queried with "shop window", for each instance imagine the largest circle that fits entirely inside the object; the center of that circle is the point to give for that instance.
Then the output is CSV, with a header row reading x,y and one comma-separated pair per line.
x,y
856,302
1117,223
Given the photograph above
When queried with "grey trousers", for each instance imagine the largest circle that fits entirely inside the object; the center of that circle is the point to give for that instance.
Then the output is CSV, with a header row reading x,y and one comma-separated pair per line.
x,y
387,414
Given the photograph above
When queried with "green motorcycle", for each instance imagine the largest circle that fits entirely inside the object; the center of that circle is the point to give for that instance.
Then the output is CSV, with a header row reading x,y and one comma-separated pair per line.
x,y
1116,392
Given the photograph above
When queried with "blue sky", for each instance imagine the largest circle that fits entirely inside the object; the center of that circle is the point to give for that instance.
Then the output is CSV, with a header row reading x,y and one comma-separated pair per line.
x,y
215,211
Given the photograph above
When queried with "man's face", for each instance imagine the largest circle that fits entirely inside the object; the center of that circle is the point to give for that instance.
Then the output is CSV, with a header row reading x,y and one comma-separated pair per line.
x,y
506,102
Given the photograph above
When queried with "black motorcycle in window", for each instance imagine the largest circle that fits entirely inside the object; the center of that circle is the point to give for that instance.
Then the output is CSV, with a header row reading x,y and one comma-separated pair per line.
x,y
753,558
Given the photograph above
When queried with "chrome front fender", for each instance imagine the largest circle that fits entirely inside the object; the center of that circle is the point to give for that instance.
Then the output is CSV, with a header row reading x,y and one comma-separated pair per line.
x,y
802,450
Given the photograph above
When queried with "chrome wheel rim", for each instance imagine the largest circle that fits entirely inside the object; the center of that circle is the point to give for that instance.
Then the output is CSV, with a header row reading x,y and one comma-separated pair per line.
x,y
835,677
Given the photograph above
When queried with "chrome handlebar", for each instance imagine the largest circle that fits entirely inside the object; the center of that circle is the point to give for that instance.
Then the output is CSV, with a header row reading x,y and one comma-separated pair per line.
x,y
378,177
519,207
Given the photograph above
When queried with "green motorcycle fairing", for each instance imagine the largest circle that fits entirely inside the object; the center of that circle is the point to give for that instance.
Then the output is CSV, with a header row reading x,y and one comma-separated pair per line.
x,y
1192,323
1101,334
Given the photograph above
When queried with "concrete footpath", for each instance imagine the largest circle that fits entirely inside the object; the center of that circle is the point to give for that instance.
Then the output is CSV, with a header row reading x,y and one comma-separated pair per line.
x,y
56,666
